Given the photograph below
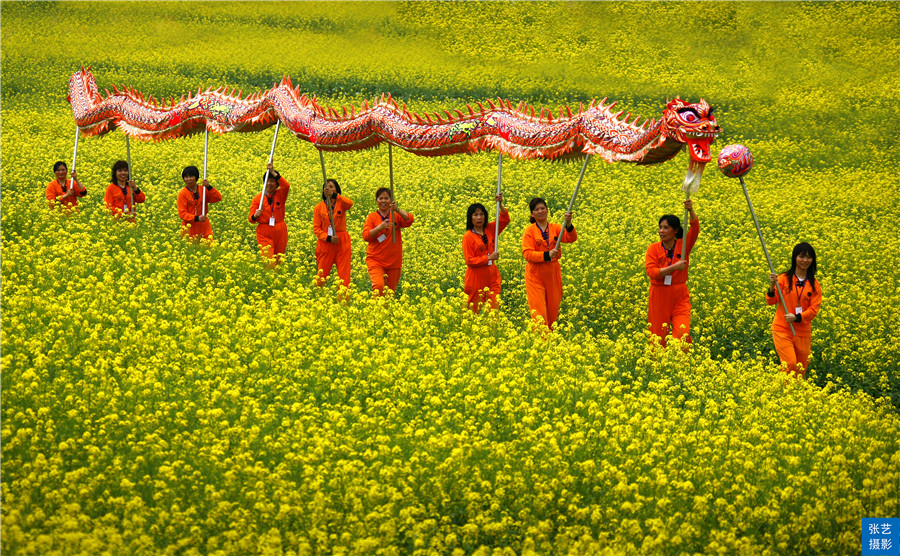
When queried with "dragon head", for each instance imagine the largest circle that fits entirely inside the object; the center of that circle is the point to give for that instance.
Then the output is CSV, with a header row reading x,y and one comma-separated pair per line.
x,y
694,125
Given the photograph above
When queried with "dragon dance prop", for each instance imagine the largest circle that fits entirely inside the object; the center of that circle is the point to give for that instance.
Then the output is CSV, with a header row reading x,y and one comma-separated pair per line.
x,y
516,131
735,161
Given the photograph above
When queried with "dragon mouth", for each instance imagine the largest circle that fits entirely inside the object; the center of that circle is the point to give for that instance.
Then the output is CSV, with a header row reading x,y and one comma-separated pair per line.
x,y
698,146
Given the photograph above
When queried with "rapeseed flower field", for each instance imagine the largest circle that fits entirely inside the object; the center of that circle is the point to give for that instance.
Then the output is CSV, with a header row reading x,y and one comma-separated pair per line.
x,y
160,396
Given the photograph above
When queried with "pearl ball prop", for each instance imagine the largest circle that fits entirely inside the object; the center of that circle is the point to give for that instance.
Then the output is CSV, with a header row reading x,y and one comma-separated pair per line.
x,y
735,160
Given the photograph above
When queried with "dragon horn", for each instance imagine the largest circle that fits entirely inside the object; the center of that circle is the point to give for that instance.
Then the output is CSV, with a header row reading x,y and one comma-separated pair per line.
x,y
471,113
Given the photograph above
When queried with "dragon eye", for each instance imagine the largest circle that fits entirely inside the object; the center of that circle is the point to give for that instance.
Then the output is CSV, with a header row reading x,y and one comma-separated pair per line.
x,y
689,115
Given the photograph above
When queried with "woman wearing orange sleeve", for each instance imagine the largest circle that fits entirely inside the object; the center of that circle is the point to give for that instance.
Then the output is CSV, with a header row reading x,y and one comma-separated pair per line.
x,y
119,192
803,295
481,255
384,258
191,209
332,245
58,191
669,305
271,231
543,276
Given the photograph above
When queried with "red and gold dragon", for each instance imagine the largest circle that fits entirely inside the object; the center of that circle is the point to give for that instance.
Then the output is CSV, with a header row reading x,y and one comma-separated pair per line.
x,y
516,131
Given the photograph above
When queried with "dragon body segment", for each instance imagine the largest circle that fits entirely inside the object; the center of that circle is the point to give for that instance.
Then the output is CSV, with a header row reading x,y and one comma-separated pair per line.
x,y
515,131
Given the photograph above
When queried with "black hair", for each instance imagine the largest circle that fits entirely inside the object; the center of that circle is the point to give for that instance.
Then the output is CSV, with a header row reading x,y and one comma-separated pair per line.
x,y
532,204
381,190
273,175
59,163
471,212
190,171
803,248
119,165
337,187
674,223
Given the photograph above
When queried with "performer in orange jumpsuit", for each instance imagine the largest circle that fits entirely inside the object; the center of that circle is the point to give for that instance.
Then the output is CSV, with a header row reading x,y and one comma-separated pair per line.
x,y
669,307
333,245
803,296
384,258
118,192
58,191
543,276
481,256
194,221
271,231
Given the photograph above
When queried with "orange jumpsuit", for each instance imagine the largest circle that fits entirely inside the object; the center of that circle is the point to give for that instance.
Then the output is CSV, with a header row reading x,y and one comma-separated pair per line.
x,y
669,305
190,207
480,272
271,231
55,193
383,256
332,254
543,277
793,350
118,199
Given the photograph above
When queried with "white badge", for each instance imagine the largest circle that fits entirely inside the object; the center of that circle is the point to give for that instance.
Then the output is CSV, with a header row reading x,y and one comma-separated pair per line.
x,y
271,221
668,280
381,238
330,231
490,263
798,310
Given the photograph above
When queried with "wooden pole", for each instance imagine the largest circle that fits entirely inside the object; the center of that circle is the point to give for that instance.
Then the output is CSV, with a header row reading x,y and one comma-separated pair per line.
x,y
130,174
587,158
766,251
205,153
328,204
497,213
391,171
75,157
271,156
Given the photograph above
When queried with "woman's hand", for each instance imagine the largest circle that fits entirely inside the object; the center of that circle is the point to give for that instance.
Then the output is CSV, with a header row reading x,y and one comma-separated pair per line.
x,y
334,239
680,265
568,219
554,254
773,278
205,183
130,183
493,256
257,214
403,214
386,224
790,318
201,218
499,199
271,168
689,206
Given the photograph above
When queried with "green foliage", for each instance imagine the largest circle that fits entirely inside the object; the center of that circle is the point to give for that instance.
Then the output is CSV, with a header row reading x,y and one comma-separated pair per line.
x,y
161,396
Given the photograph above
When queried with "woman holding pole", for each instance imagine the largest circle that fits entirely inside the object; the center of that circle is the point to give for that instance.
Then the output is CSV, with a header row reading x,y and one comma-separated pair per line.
x,y
121,194
330,227
802,292
64,192
482,283
542,251
669,304
192,206
267,212
384,257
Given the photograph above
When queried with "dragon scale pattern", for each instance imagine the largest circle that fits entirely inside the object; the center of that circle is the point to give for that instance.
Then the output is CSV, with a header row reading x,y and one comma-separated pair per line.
x,y
515,131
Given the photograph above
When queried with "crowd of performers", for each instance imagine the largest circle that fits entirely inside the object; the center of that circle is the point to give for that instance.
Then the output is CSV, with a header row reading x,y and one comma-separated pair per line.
x,y
669,304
